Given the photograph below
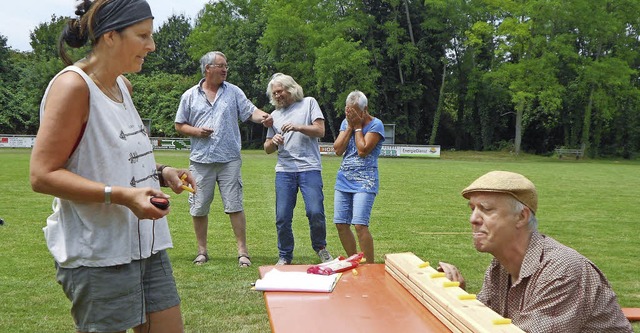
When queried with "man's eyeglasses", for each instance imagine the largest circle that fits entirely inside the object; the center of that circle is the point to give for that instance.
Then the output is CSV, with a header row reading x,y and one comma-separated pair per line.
x,y
219,66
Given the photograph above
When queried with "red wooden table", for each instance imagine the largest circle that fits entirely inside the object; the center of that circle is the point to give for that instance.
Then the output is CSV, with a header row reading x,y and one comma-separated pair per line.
x,y
371,301
633,314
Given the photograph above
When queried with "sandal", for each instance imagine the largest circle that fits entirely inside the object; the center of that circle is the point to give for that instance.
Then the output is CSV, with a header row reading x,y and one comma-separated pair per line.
x,y
244,260
201,259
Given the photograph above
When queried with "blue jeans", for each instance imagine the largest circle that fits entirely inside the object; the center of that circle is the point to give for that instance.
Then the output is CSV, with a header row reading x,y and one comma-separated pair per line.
x,y
310,184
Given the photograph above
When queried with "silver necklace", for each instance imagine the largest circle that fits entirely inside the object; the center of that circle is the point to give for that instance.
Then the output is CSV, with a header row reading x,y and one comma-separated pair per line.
x,y
108,92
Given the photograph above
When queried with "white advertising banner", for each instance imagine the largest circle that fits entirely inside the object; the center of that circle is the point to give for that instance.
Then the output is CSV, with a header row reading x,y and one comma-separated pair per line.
x,y
17,141
394,150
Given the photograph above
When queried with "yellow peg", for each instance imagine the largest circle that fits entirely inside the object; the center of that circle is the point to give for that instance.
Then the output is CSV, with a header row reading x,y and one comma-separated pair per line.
x,y
466,297
424,264
449,284
501,321
438,275
184,185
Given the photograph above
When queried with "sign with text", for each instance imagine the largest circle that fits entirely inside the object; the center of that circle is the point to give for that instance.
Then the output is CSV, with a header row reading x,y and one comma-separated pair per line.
x,y
171,143
17,141
326,148
394,150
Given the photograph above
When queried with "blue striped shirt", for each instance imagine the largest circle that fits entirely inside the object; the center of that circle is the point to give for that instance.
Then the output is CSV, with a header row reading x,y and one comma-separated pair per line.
x,y
231,105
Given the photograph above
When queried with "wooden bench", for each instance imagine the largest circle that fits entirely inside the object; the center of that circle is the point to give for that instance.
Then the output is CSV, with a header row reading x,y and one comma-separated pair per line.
x,y
577,153
457,309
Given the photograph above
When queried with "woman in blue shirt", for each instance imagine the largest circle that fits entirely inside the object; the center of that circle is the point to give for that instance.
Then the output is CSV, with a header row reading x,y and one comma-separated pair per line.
x,y
360,141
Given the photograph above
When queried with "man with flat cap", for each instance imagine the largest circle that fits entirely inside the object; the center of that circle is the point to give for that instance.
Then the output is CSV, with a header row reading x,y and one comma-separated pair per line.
x,y
542,285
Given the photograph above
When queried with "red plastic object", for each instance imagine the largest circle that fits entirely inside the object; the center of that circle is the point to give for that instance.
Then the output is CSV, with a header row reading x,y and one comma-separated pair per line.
x,y
162,203
336,266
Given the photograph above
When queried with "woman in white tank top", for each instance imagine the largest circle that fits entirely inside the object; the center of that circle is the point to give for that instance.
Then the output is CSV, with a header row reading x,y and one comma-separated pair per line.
x,y
92,153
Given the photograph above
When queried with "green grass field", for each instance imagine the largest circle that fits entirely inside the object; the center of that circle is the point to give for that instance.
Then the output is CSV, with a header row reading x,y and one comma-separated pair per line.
x,y
591,206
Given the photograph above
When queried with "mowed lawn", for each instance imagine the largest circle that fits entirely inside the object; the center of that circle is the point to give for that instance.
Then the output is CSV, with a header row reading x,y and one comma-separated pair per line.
x,y
592,206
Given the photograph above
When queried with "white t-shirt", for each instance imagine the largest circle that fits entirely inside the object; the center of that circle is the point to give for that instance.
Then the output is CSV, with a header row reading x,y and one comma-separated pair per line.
x,y
299,152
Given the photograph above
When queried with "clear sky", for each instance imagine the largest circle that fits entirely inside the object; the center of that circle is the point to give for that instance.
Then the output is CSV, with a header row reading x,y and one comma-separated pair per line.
x,y
18,18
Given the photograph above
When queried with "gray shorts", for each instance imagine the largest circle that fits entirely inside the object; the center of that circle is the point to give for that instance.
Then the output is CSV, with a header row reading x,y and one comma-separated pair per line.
x,y
116,298
229,180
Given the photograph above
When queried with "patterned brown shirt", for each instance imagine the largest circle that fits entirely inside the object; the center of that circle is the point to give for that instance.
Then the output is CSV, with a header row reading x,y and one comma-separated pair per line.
x,y
559,290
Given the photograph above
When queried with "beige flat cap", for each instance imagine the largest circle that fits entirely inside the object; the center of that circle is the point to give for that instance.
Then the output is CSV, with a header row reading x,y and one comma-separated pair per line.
x,y
507,182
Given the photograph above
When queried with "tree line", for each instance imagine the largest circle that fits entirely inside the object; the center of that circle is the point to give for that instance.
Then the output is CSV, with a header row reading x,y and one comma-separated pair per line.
x,y
466,74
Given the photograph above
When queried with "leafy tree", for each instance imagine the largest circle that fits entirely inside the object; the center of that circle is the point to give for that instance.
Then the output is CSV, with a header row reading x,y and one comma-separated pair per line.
x,y
342,67
6,74
12,113
528,75
24,77
171,54
322,50
234,27
31,73
290,37
156,97
604,34
44,38
409,53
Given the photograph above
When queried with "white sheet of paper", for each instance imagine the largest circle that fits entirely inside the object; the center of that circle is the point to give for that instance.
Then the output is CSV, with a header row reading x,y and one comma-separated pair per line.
x,y
276,280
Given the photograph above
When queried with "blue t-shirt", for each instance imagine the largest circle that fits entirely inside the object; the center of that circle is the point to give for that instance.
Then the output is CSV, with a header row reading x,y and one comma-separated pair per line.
x,y
360,174
231,105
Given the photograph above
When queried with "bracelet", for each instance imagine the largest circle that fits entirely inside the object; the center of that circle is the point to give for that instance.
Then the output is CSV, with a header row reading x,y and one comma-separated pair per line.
x,y
358,130
107,194
159,173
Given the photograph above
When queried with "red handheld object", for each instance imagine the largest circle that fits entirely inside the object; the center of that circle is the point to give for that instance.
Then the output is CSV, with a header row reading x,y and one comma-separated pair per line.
x,y
336,266
162,203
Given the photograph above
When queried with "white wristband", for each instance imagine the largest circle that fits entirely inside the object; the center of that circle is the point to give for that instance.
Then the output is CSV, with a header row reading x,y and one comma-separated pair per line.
x,y
107,194
358,130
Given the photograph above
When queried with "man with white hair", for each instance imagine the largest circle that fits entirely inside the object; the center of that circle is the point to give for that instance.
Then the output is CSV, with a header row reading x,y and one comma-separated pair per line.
x,y
542,285
298,123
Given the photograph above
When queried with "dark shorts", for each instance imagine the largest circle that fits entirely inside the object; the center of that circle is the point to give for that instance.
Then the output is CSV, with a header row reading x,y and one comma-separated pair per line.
x,y
116,298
